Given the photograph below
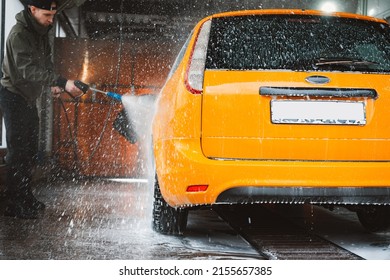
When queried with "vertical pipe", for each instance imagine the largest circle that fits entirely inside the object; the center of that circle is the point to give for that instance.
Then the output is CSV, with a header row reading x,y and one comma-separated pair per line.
x,y
2,42
364,7
2,33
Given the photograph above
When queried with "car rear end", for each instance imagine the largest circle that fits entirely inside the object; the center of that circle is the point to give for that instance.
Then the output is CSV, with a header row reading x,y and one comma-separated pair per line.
x,y
279,106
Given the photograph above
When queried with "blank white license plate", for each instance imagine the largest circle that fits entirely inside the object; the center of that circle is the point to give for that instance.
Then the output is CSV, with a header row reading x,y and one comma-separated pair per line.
x,y
318,112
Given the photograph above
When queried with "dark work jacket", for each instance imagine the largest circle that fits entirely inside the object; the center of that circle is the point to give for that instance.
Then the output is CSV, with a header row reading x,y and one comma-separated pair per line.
x,y
27,66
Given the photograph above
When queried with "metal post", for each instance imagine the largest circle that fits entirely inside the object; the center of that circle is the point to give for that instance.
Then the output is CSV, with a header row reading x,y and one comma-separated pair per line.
x,y
2,33
2,42
364,7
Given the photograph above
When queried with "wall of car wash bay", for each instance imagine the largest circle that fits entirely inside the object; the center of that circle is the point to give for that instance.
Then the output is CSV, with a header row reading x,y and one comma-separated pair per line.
x,y
85,141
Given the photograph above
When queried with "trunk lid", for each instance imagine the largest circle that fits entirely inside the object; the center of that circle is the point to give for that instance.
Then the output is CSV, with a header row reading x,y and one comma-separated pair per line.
x,y
239,121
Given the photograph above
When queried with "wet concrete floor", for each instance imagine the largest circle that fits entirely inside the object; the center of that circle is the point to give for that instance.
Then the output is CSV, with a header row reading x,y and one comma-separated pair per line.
x,y
108,220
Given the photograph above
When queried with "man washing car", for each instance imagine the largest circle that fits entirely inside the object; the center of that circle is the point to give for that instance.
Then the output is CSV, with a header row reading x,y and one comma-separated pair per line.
x,y
28,71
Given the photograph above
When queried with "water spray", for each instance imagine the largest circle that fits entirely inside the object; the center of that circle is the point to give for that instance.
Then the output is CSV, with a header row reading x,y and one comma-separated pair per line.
x,y
133,123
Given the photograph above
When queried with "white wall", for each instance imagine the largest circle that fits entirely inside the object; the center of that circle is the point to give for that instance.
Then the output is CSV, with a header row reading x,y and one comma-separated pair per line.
x,y
378,8
12,8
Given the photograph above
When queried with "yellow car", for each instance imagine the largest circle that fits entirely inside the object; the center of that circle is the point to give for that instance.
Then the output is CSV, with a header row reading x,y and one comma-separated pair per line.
x,y
276,106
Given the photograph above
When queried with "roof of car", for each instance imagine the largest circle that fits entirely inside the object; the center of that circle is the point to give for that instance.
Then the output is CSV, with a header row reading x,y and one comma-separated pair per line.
x,y
296,12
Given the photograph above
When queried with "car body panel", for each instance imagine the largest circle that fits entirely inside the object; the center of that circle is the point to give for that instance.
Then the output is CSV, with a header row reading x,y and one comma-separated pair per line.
x,y
236,119
221,175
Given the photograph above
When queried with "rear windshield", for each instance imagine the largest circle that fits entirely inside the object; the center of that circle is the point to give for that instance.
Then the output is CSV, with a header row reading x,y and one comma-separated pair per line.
x,y
294,42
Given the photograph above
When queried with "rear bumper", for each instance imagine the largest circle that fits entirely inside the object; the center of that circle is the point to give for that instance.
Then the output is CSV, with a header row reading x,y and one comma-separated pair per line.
x,y
297,195
180,163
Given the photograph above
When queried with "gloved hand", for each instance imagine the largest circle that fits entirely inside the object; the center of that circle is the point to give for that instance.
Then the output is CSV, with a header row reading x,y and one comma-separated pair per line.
x,y
72,88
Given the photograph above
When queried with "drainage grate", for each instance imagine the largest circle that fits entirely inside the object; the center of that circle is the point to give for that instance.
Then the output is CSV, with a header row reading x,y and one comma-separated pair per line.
x,y
277,238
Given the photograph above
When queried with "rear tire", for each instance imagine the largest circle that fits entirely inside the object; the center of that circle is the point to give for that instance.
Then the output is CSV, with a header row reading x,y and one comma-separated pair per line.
x,y
167,219
374,218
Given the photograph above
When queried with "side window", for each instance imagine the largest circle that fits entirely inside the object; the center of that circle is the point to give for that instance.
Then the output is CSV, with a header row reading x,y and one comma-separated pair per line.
x,y
180,56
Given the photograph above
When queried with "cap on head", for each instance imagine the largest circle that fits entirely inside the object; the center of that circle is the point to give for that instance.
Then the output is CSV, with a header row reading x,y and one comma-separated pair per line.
x,y
49,5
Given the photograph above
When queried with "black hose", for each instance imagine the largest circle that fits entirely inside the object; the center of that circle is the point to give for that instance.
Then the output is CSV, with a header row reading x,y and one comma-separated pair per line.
x,y
116,82
73,139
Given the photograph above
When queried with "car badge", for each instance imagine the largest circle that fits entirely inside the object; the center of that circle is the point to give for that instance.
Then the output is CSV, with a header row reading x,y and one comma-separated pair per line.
x,y
317,80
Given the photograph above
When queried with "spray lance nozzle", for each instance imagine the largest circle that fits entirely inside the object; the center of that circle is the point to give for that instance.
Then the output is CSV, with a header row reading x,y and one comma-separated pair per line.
x,y
84,88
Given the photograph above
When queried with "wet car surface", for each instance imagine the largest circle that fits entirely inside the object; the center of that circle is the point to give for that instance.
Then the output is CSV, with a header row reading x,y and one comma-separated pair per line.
x,y
276,106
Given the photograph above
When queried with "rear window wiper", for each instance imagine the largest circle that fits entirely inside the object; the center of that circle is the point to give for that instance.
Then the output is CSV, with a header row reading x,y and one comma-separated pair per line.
x,y
343,61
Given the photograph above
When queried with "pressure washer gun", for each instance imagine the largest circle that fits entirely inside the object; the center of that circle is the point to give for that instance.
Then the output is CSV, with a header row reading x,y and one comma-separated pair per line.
x,y
84,88
122,123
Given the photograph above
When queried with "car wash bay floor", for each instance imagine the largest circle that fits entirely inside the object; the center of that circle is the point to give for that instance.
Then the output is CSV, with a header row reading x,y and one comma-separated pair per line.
x,y
111,220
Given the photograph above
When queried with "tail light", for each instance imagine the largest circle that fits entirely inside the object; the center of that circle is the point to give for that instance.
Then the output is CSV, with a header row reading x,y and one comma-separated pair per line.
x,y
197,188
195,71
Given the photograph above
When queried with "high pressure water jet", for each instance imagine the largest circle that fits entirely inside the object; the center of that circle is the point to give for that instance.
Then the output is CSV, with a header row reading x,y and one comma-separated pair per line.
x,y
122,124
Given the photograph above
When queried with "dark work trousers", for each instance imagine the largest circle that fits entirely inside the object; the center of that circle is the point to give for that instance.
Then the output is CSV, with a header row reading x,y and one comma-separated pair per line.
x,y
22,132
